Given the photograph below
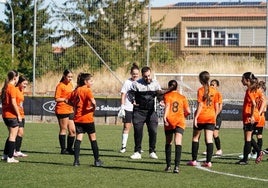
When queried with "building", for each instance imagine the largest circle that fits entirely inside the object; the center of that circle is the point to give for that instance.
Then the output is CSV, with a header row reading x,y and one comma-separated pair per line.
x,y
235,28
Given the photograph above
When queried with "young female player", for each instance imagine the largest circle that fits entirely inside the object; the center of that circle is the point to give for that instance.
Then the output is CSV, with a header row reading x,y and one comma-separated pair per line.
x,y
84,104
204,118
64,112
10,114
251,115
21,85
176,109
127,105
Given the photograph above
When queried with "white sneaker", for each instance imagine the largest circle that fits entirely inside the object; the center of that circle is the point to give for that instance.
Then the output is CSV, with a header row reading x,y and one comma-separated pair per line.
x,y
253,156
4,157
218,152
242,156
19,154
153,155
204,153
136,155
123,150
12,160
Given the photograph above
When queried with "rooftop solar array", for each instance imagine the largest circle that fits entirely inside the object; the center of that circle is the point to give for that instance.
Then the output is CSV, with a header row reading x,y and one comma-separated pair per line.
x,y
241,3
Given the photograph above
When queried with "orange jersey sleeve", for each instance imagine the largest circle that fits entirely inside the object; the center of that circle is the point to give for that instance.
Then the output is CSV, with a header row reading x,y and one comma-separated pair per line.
x,y
208,112
8,110
63,91
20,100
177,106
82,102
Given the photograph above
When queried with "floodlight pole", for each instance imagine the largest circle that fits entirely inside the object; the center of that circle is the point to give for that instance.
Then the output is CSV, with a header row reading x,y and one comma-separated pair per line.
x,y
149,34
12,20
34,47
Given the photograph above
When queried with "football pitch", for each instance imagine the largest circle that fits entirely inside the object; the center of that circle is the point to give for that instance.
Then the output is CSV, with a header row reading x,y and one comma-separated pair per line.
x,y
45,167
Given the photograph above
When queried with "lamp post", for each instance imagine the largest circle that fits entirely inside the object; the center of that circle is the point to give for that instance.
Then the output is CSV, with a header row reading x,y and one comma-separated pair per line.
x,y
149,34
12,17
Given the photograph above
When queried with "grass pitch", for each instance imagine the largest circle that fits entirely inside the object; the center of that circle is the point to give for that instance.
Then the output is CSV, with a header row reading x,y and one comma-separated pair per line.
x,y
45,167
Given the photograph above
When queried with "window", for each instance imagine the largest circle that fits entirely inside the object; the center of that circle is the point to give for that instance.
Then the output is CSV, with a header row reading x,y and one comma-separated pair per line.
x,y
166,35
219,38
233,39
192,39
205,37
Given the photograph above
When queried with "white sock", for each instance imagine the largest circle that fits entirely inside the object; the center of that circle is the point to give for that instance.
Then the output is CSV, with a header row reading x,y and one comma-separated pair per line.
x,y
124,139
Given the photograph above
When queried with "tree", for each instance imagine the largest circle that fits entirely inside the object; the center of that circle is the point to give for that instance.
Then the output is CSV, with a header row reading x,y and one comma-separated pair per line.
x,y
23,32
116,29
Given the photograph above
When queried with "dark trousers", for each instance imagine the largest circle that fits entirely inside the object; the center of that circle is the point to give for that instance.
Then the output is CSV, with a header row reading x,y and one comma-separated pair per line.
x,y
140,117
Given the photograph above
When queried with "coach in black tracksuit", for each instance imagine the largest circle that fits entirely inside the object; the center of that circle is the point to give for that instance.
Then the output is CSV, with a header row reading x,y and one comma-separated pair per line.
x,y
143,93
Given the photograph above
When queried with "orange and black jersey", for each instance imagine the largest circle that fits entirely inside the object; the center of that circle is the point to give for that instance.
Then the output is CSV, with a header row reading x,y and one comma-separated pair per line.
x,y
63,91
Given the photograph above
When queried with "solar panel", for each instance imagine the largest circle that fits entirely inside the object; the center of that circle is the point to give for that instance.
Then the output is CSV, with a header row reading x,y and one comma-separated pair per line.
x,y
185,4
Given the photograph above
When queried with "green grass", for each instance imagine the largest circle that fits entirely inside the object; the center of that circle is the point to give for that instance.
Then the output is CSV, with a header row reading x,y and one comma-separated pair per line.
x,y
45,167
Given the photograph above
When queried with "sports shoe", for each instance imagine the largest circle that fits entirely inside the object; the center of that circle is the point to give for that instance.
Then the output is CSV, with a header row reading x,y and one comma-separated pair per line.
x,y
265,151
123,150
19,154
176,170
218,152
153,155
242,156
204,153
98,163
205,164
241,162
168,169
4,157
192,163
253,156
76,163
258,159
12,160
136,155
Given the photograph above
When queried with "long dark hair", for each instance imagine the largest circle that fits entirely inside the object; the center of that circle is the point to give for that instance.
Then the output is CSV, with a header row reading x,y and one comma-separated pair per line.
x,y
21,79
10,76
204,77
252,79
65,73
134,67
172,85
81,78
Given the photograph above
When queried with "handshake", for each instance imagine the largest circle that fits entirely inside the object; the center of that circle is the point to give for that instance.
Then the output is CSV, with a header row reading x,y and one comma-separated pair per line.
x,y
122,113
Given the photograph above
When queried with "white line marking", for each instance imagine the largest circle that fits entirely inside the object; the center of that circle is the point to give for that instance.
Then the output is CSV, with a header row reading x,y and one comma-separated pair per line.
x,y
224,173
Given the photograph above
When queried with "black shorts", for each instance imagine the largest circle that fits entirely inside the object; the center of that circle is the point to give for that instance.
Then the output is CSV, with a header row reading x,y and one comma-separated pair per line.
x,y
249,127
176,130
128,117
62,116
258,131
205,126
82,128
11,122
22,123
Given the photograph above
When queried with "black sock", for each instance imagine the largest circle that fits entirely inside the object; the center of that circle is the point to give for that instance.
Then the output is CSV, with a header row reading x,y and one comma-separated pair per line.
x,y
95,149
247,147
18,143
62,140
217,143
195,147
6,147
209,152
168,154
70,142
255,146
259,143
11,148
77,144
177,155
